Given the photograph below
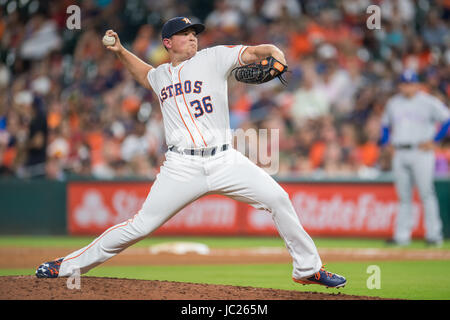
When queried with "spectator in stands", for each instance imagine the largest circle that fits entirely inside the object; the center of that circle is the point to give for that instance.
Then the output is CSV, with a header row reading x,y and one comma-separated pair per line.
x,y
310,100
36,141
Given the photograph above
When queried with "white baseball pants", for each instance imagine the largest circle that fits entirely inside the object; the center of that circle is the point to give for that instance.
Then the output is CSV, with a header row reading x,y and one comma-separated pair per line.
x,y
185,178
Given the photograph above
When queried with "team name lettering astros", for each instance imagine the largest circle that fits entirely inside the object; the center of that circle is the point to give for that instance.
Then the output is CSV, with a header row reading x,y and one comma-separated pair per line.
x,y
180,88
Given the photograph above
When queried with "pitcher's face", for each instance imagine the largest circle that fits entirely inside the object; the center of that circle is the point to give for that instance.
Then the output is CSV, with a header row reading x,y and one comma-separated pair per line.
x,y
183,43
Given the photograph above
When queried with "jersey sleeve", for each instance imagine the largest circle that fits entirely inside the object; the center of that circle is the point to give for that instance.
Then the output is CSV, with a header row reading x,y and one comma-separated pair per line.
x,y
227,58
151,77
440,112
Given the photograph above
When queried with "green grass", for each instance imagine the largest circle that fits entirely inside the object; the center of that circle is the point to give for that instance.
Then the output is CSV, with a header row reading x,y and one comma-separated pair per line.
x,y
213,242
420,280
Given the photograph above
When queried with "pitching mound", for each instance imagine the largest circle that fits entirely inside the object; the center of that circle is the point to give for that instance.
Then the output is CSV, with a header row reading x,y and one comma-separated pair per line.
x,y
94,288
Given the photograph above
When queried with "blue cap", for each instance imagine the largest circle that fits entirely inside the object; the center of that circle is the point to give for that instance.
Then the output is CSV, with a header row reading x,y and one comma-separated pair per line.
x,y
178,24
409,76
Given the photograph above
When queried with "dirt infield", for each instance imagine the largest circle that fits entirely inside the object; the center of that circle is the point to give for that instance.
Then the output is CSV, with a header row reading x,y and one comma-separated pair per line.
x,y
29,287
32,257
92,288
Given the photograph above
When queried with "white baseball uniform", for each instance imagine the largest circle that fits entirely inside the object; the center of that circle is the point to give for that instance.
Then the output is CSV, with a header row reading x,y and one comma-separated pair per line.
x,y
194,102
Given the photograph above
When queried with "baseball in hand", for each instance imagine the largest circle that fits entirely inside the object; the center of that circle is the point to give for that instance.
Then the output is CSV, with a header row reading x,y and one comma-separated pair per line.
x,y
108,40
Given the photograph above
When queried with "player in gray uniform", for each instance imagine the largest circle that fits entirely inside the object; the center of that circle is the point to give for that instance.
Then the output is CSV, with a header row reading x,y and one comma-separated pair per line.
x,y
410,117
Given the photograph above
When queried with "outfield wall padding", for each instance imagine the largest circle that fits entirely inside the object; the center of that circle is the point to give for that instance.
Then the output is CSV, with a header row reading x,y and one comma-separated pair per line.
x,y
32,206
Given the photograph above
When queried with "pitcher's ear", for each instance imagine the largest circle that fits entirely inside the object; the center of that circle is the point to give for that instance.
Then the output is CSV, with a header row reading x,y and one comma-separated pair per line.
x,y
167,43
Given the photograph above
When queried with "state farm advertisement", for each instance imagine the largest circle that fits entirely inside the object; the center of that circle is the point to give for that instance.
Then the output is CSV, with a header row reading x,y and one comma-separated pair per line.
x,y
324,209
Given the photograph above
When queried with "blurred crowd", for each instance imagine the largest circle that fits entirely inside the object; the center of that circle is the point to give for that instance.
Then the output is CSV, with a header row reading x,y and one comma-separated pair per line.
x,y
68,108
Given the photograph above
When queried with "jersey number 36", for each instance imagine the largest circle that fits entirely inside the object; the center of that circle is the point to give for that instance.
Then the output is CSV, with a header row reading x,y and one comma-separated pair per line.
x,y
202,107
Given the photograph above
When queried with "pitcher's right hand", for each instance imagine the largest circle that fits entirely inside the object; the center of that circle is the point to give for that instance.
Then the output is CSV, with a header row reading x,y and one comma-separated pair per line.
x,y
117,46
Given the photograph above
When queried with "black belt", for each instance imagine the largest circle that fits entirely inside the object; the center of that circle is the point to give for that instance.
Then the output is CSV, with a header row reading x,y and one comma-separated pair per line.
x,y
203,152
405,146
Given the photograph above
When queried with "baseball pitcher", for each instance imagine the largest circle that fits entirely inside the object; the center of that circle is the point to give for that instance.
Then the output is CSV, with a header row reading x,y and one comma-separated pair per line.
x,y
192,92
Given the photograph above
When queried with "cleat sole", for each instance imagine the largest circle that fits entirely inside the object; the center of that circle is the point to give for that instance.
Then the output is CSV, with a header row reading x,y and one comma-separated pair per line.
x,y
307,282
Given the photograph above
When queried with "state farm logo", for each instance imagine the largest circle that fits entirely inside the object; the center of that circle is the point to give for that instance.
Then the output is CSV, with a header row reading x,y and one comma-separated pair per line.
x,y
94,210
